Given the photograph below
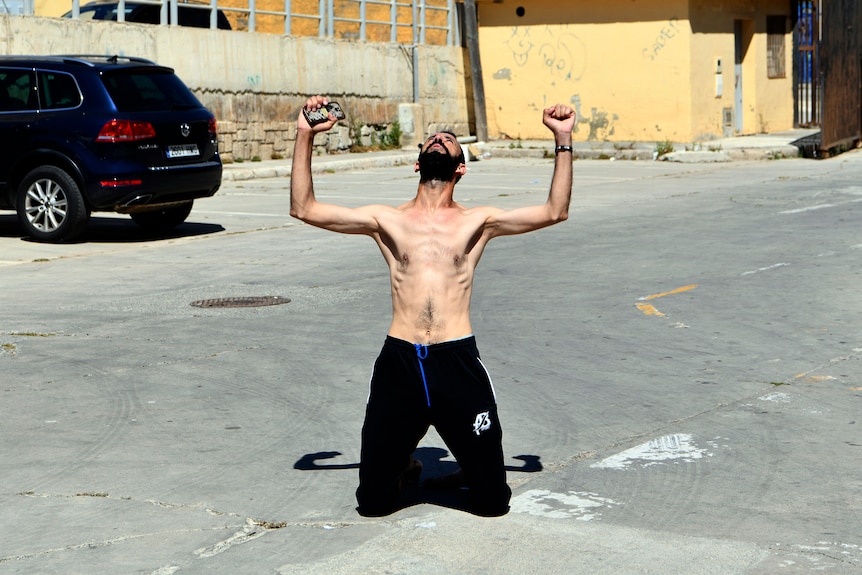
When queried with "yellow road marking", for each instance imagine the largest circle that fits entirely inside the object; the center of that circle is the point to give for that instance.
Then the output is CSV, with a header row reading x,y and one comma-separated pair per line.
x,y
671,292
649,310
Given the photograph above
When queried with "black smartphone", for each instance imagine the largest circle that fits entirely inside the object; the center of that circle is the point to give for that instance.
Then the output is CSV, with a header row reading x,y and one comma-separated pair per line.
x,y
322,115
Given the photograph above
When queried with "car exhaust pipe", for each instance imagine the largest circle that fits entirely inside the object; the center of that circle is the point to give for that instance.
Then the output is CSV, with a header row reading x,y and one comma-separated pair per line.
x,y
136,201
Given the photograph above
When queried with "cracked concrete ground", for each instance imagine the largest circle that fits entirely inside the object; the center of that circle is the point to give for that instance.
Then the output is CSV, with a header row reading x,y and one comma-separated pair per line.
x,y
678,370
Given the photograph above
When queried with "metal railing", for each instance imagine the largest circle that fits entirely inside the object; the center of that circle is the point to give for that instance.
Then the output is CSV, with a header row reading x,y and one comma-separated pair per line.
x,y
396,21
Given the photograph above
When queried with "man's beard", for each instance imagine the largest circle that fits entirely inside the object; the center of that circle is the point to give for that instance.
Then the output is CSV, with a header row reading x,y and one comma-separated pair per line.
x,y
435,165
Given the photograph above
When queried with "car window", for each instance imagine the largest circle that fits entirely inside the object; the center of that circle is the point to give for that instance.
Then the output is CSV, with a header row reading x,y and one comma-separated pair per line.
x,y
100,12
58,90
200,17
146,14
108,11
16,90
135,90
195,15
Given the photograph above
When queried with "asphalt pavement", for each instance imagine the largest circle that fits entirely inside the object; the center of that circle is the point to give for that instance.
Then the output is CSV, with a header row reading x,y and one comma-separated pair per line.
x,y
677,367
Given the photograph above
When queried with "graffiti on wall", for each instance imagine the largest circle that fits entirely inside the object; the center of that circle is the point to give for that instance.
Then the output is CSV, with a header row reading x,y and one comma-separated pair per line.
x,y
555,49
666,35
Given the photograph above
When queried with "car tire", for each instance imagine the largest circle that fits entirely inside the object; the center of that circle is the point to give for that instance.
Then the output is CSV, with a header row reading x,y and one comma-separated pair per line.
x,y
50,205
165,218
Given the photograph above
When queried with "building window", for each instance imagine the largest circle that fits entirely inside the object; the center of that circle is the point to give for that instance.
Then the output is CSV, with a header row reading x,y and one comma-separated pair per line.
x,y
776,33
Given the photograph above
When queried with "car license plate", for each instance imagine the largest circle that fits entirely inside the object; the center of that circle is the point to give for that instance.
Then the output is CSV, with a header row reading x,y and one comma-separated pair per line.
x,y
183,151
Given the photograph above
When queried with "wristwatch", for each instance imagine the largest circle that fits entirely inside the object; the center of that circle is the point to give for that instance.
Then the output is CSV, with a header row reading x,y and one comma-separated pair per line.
x,y
559,149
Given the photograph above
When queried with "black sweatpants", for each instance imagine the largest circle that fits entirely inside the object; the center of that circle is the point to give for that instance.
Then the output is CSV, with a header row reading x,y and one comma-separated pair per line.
x,y
413,387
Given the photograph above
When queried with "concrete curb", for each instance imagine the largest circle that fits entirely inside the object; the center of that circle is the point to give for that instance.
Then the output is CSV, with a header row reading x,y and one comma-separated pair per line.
x,y
732,149
771,153
334,163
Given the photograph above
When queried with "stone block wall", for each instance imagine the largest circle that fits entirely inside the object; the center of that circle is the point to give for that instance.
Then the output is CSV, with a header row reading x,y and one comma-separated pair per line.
x,y
255,84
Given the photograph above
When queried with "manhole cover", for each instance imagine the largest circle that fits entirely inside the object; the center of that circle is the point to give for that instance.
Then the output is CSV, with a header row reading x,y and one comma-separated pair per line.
x,y
242,301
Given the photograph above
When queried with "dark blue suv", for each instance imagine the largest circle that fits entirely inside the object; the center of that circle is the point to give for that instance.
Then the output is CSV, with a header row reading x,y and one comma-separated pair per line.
x,y
101,133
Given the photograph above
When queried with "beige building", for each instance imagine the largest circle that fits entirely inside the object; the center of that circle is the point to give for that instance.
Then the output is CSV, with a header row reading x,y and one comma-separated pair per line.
x,y
638,70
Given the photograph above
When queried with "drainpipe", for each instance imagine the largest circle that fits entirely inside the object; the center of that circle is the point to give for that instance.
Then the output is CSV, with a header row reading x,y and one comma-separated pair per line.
x,y
415,54
471,31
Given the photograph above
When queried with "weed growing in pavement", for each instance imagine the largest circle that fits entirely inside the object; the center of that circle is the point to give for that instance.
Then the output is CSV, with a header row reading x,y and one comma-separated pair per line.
x,y
665,147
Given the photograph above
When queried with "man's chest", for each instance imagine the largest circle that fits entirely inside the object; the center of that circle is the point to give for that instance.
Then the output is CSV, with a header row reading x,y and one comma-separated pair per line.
x,y
430,242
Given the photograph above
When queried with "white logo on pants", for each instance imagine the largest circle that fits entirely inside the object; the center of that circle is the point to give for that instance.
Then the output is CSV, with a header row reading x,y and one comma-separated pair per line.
x,y
482,423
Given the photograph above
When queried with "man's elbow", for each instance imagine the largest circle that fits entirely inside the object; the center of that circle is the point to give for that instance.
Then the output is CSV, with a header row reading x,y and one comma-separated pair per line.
x,y
299,211
557,216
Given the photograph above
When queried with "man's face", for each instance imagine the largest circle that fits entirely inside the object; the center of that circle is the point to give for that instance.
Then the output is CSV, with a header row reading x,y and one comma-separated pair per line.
x,y
439,157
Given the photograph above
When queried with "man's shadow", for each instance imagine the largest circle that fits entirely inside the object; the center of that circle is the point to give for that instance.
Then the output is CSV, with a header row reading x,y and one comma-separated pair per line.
x,y
434,466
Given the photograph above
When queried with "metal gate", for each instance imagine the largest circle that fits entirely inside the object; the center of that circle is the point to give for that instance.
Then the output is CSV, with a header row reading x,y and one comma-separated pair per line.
x,y
827,71
806,69
841,74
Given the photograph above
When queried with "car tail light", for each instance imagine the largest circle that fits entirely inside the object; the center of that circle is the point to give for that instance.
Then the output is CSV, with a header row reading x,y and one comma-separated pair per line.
x,y
125,131
119,183
212,127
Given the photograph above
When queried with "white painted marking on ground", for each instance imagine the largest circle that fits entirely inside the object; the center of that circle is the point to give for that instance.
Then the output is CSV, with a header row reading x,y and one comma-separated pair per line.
x,y
822,556
582,506
818,207
808,209
427,525
853,190
767,268
776,397
676,448
250,531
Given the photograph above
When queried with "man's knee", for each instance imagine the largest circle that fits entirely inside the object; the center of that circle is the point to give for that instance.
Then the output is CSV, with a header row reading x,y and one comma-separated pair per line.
x,y
375,502
490,502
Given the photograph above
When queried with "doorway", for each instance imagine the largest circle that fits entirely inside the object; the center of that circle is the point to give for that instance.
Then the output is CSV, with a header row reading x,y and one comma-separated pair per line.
x,y
743,32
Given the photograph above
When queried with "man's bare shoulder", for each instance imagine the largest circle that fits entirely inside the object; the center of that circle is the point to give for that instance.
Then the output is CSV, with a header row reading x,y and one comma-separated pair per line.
x,y
484,214
482,211
377,210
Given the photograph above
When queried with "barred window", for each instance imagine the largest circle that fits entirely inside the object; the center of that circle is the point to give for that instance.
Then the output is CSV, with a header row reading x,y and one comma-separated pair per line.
x,y
776,33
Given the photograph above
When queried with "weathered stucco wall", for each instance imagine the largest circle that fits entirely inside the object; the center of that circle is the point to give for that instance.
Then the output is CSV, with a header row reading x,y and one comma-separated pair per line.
x,y
255,83
767,103
635,70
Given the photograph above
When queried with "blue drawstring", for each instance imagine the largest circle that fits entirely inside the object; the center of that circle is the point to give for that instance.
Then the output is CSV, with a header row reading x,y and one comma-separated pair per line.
x,y
422,353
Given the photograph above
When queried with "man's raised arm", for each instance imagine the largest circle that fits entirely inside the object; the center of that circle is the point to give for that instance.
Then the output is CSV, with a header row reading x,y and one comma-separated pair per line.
x,y
560,119
303,204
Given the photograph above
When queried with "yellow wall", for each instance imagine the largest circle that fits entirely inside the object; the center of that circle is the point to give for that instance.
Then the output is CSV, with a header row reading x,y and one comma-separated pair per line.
x,y
767,102
635,70
51,7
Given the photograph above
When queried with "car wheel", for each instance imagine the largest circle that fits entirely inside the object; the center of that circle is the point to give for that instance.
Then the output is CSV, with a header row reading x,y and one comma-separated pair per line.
x,y
165,218
50,205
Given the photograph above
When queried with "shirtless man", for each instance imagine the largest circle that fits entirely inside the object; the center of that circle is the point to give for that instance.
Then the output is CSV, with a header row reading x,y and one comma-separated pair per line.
x,y
429,371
